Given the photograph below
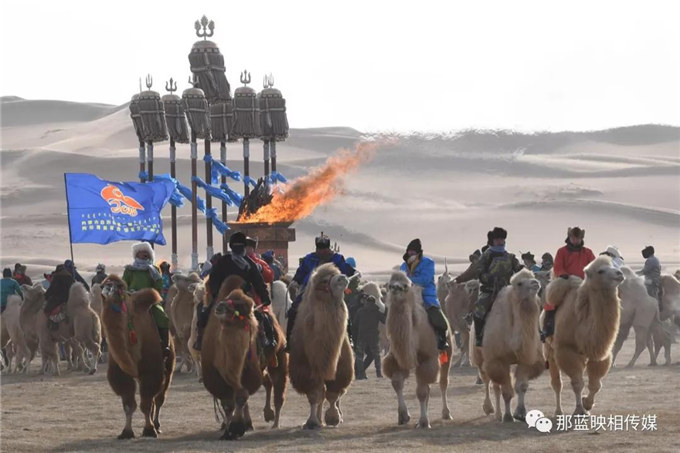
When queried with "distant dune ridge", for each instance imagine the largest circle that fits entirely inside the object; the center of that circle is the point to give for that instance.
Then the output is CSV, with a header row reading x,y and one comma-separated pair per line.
x,y
448,189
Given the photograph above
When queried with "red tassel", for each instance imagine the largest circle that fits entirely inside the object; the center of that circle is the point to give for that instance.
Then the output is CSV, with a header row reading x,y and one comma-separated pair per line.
x,y
443,358
133,337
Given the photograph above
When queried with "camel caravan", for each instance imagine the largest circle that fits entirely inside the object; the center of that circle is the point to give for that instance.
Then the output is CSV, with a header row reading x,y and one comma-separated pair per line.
x,y
235,329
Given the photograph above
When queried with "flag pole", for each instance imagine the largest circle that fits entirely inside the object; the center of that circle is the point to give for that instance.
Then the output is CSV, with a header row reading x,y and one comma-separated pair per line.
x,y
68,217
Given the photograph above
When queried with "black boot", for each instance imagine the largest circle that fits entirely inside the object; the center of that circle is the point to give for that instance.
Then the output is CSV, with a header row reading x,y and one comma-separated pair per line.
x,y
548,325
479,330
440,326
165,340
292,314
268,338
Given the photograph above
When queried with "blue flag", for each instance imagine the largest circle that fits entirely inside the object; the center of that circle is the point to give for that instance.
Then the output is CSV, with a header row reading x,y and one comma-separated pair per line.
x,y
102,211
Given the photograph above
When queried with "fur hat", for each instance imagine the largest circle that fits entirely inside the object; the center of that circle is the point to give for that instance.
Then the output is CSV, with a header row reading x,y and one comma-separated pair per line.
x,y
322,241
237,238
647,251
7,272
612,251
100,267
164,265
547,257
268,256
528,256
68,264
143,247
415,245
497,233
576,232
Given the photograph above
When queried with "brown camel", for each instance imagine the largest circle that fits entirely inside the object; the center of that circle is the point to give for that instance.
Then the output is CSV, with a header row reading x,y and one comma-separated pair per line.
x,y
181,310
586,325
233,368
82,324
321,359
34,299
457,306
135,353
413,346
511,338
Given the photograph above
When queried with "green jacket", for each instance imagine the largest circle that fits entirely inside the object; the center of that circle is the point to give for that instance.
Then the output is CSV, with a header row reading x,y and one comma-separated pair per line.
x,y
137,279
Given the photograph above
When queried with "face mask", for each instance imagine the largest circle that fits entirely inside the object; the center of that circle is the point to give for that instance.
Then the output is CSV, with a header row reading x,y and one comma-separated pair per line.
x,y
238,249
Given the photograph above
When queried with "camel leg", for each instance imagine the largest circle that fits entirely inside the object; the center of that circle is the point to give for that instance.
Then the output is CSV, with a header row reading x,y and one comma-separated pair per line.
x,y
487,407
95,350
650,350
268,411
279,377
237,426
443,386
499,373
573,364
423,394
147,391
315,398
398,386
332,416
596,371
556,384
641,338
124,386
620,338
246,417
521,387
465,340
497,395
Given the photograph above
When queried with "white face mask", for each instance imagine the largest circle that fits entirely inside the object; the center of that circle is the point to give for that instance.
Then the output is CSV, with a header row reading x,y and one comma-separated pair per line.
x,y
412,258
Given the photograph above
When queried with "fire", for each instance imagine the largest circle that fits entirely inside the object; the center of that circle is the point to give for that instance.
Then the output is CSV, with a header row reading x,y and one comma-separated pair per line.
x,y
302,195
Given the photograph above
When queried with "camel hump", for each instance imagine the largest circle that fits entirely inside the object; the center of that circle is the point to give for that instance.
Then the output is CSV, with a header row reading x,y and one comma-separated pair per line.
x,y
78,295
145,298
228,285
559,288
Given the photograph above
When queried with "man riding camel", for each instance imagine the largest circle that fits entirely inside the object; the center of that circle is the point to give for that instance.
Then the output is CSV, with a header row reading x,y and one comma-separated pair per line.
x,y
494,270
420,269
233,263
323,254
141,274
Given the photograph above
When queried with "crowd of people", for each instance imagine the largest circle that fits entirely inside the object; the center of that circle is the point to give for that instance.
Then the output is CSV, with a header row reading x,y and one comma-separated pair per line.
x,y
491,264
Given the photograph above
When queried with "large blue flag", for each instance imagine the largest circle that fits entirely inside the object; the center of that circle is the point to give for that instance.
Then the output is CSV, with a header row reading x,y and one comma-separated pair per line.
x,y
102,211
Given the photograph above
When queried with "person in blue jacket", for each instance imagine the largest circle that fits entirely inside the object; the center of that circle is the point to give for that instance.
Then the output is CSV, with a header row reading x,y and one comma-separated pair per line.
x,y
311,261
420,269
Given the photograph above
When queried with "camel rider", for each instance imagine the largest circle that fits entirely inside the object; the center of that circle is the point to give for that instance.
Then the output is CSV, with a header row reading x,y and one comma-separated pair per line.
x,y
141,274
420,269
546,262
323,254
57,295
571,259
496,266
100,275
268,258
530,262
8,286
352,293
233,263
472,270
20,275
263,317
651,272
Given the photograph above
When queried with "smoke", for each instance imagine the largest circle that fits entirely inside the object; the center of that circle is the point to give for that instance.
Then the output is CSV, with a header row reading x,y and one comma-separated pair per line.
x,y
301,196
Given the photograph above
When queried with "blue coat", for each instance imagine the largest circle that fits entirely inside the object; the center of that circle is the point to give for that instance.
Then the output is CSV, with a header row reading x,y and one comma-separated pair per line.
x,y
423,276
311,262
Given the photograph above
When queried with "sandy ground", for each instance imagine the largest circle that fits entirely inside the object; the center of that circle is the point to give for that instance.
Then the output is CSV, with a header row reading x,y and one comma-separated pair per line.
x,y
75,412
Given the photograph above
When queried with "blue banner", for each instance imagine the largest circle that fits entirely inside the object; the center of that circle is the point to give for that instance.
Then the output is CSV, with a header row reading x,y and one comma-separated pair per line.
x,y
102,211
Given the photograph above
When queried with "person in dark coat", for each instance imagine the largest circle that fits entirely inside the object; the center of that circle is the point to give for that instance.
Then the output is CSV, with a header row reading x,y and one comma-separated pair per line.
x,y
100,276
56,296
366,336
233,263
71,267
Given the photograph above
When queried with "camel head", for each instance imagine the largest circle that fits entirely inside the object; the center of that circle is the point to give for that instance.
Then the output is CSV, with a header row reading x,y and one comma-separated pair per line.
x,y
184,281
114,290
34,296
236,310
198,290
525,286
328,279
371,292
600,274
398,286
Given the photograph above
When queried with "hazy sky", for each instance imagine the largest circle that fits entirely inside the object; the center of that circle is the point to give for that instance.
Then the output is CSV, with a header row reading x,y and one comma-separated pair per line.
x,y
388,65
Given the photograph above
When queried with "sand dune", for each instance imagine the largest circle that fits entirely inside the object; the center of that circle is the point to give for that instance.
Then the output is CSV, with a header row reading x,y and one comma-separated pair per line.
x,y
448,189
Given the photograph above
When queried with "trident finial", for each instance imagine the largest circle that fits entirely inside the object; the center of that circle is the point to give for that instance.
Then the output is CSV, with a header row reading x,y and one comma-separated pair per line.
x,y
245,77
140,84
193,81
149,81
170,86
210,25
269,80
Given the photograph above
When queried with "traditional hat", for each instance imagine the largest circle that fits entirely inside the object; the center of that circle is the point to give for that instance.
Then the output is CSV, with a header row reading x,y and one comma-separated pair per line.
x,y
497,233
576,232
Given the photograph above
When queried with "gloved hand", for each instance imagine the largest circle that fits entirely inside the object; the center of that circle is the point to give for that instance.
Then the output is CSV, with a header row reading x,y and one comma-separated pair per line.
x,y
564,276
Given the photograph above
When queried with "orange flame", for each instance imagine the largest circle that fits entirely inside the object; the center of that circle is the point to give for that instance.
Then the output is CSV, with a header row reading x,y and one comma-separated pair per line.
x,y
321,185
